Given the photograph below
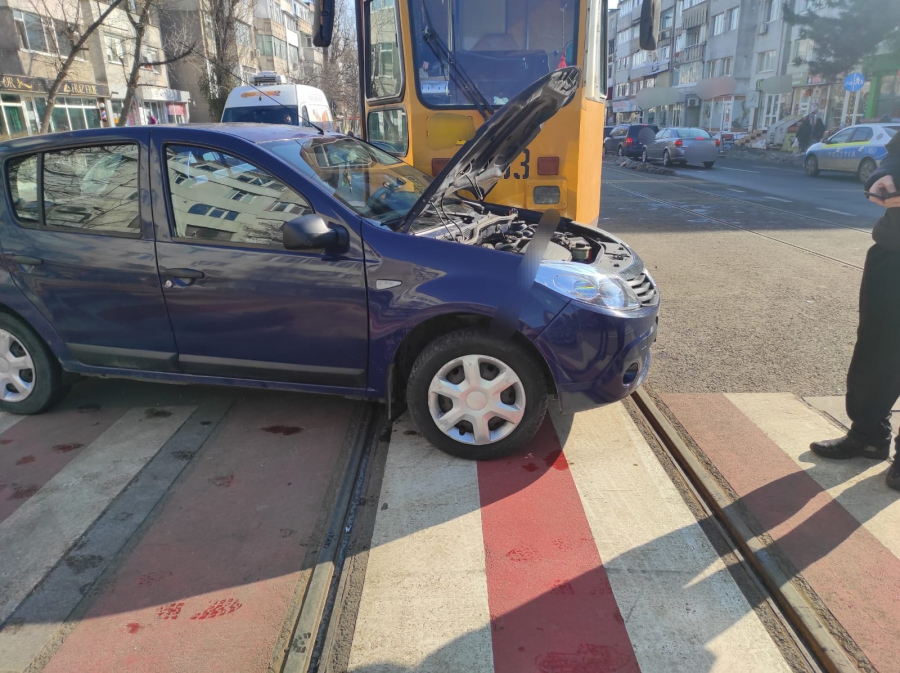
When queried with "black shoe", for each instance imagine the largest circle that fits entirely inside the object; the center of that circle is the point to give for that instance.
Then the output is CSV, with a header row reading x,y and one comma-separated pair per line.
x,y
893,475
850,447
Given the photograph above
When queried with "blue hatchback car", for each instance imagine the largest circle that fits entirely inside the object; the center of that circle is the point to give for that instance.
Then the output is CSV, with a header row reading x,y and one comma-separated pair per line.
x,y
267,256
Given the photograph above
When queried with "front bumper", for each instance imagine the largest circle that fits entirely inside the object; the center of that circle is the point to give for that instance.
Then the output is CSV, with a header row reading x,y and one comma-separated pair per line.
x,y
598,356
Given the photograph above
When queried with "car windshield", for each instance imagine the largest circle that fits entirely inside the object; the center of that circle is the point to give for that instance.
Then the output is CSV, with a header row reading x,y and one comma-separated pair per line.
x,y
502,46
693,133
373,183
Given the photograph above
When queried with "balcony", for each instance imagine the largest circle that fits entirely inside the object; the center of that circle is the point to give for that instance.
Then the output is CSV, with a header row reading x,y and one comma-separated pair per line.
x,y
690,54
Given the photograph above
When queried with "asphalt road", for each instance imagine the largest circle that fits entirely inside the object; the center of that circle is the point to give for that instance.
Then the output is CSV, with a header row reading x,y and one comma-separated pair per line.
x,y
832,196
759,295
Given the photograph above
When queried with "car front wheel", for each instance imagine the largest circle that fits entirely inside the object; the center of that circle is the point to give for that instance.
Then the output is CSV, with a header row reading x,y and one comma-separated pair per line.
x,y
30,375
866,168
709,164
811,166
644,156
667,160
476,397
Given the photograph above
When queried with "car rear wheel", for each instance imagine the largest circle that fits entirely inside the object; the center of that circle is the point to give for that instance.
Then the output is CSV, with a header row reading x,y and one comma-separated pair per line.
x,y
866,167
667,160
30,376
620,151
708,164
644,156
811,166
476,397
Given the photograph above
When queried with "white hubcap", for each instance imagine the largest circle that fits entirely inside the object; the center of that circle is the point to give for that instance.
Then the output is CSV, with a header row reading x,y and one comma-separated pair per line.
x,y
16,369
476,399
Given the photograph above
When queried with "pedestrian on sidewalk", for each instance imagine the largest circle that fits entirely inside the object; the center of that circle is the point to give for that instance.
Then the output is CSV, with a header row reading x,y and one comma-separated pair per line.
x,y
873,381
804,134
818,130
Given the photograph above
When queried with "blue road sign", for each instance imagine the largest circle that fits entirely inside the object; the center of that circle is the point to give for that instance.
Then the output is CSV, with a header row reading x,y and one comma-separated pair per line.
x,y
854,81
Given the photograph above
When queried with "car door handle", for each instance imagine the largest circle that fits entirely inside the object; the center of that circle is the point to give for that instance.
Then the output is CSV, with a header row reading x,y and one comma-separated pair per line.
x,y
182,273
26,260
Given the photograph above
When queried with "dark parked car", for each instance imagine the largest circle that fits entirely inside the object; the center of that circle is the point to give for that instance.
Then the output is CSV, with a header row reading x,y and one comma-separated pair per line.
x,y
277,257
628,140
607,130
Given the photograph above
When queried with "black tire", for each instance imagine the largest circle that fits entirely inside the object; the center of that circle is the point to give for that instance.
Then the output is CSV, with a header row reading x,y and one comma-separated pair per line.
x,y
47,374
708,164
443,350
644,158
811,166
620,152
667,160
866,167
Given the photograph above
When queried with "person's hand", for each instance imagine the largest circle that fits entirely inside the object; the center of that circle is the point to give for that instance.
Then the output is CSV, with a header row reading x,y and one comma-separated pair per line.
x,y
885,185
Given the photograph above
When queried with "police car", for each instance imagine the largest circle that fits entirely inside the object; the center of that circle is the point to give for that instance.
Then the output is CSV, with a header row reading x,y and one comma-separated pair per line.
x,y
856,149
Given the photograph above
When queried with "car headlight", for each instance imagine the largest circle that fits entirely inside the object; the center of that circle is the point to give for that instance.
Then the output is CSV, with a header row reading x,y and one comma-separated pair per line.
x,y
585,283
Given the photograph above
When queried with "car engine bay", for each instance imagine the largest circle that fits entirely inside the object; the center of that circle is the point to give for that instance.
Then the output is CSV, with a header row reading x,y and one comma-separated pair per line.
x,y
511,230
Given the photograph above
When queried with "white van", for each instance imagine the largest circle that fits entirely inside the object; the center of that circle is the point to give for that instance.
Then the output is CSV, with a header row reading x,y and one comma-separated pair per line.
x,y
270,100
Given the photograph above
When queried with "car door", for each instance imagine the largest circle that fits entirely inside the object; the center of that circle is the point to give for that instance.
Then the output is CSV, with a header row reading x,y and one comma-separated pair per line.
x,y
858,142
655,149
80,247
830,157
241,305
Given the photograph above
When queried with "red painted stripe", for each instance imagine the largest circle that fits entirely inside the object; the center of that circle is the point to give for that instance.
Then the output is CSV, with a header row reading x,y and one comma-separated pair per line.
x,y
209,585
551,604
37,447
856,576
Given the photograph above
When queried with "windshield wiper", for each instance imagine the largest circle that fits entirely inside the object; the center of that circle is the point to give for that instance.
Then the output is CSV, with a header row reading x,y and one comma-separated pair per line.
x,y
459,76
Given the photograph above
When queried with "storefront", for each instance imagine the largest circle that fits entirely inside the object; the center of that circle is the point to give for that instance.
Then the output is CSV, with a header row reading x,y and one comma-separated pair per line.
x,y
24,100
883,72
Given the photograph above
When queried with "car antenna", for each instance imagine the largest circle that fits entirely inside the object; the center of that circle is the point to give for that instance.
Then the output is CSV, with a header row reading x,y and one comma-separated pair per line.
x,y
306,122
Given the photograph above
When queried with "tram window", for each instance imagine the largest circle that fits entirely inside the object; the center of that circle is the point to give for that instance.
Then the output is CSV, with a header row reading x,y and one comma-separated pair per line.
x,y
384,74
503,45
388,130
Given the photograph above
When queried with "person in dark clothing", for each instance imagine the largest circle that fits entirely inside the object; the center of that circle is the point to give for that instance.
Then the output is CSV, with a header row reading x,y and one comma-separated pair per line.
x,y
818,130
873,381
804,134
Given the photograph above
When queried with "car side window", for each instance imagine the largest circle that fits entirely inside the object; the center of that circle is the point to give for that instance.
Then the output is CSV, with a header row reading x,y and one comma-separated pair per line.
x,y
841,137
621,131
23,188
93,188
218,197
861,135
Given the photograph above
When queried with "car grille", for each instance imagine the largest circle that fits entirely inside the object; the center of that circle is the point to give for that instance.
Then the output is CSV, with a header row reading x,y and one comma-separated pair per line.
x,y
644,289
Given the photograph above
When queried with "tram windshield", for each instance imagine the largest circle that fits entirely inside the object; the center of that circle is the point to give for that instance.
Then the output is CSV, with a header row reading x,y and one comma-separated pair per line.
x,y
501,45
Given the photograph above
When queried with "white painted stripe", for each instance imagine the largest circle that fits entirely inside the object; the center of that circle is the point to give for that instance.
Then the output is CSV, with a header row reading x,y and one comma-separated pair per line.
x,y
37,535
682,609
856,484
739,191
837,212
775,198
740,170
424,605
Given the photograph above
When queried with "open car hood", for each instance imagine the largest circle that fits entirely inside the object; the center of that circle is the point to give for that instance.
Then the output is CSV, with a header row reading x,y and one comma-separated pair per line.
x,y
481,162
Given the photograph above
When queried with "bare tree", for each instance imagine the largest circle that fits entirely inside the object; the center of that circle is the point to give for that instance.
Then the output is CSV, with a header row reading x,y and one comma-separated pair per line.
x,y
338,74
223,49
71,40
140,16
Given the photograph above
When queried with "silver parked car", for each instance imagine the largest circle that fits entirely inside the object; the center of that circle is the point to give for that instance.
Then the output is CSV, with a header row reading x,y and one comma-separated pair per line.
x,y
682,145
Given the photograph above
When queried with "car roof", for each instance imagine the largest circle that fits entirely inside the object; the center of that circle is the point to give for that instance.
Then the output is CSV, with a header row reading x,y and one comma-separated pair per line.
x,y
254,133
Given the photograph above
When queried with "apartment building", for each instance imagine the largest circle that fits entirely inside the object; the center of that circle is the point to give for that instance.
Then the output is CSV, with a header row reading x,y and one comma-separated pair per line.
x,y
34,41
736,65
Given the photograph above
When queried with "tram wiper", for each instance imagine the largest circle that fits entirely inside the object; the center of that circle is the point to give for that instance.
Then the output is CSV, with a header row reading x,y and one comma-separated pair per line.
x,y
459,76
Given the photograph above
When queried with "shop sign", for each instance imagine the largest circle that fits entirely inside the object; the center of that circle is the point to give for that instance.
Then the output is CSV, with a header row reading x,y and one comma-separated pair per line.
x,y
22,84
623,106
84,89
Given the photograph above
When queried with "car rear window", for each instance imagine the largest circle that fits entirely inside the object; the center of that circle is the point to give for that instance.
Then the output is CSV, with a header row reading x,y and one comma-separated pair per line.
x,y
693,133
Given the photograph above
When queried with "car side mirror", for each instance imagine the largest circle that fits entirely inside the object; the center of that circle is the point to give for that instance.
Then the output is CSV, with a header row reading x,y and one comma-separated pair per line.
x,y
310,232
